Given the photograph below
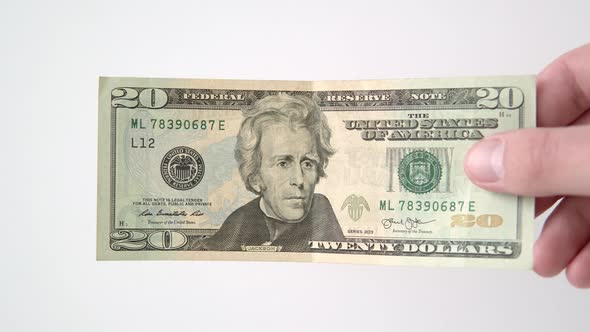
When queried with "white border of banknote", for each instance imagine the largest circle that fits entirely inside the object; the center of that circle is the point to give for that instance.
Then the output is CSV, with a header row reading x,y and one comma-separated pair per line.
x,y
106,233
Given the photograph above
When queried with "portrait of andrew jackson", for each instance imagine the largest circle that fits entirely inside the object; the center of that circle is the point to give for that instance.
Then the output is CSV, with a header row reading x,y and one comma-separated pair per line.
x,y
283,147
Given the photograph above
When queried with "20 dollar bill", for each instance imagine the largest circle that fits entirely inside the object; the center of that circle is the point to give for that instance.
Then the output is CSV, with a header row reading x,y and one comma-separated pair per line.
x,y
328,171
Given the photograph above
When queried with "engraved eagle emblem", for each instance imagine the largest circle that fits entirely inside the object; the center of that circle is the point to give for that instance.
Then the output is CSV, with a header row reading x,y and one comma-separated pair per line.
x,y
183,167
356,205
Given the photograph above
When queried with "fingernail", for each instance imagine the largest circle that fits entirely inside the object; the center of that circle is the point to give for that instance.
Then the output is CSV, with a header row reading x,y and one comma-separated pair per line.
x,y
485,161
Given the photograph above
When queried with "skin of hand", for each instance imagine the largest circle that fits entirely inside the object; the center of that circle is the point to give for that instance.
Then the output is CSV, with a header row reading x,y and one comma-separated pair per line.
x,y
549,162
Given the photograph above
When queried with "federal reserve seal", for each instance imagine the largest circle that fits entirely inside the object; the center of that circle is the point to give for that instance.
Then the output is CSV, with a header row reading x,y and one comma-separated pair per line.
x,y
182,168
419,172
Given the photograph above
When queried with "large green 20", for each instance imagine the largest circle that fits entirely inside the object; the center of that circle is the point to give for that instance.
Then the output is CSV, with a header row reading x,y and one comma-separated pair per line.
x,y
130,98
509,98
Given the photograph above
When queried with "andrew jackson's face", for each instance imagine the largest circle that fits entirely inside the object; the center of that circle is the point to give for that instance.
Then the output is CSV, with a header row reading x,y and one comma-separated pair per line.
x,y
288,172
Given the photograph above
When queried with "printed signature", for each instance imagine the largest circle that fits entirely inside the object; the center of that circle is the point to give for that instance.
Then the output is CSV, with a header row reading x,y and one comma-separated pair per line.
x,y
176,213
409,223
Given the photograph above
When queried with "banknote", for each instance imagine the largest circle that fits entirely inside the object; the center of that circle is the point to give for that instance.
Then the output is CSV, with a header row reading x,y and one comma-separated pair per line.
x,y
323,171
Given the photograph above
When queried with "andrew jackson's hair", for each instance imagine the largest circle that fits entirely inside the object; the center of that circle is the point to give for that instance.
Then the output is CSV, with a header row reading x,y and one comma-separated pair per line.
x,y
297,112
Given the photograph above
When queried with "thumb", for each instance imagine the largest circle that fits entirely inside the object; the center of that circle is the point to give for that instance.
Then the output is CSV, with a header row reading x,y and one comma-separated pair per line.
x,y
533,162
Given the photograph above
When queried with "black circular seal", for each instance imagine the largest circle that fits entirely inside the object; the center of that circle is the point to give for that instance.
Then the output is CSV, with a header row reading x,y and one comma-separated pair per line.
x,y
182,168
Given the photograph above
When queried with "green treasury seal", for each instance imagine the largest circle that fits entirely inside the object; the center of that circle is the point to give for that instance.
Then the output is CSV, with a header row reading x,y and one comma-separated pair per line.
x,y
419,172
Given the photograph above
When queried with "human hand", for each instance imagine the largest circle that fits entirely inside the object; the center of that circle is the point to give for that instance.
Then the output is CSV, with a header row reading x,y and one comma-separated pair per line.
x,y
549,163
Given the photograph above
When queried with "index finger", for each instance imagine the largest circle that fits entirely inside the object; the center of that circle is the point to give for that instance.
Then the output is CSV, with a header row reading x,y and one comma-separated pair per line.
x,y
563,89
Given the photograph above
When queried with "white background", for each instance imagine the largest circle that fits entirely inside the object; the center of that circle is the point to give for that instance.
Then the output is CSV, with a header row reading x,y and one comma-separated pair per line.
x,y
52,53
